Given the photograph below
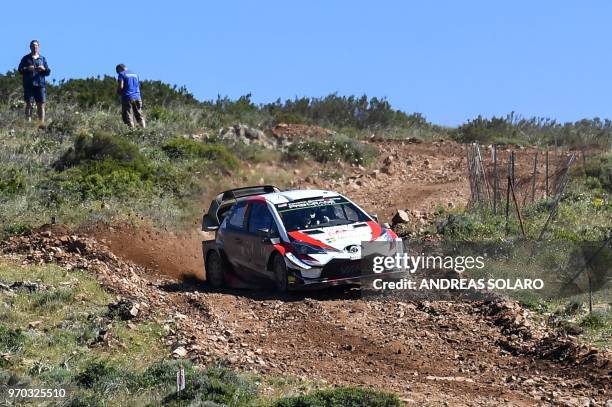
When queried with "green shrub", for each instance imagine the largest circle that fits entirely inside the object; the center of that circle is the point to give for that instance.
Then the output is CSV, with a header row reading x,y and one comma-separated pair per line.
x,y
341,397
14,229
358,112
11,340
182,148
513,129
339,148
217,384
483,130
289,117
100,166
100,92
595,321
534,303
94,180
84,399
599,171
164,372
63,124
10,87
159,113
12,180
50,299
469,226
101,147
58,375
104,378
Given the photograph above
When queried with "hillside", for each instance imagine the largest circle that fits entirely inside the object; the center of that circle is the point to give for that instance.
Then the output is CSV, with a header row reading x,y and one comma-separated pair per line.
x,y
102,284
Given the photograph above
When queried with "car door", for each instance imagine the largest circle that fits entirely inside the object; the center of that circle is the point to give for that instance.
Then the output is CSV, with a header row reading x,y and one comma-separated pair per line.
x,y
259,247
234,234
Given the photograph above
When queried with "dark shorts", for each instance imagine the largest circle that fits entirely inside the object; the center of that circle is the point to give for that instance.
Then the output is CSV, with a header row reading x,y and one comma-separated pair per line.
x,y
37,93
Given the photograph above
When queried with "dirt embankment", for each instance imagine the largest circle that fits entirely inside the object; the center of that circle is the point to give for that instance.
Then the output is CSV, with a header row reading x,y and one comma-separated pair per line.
x,y
176,255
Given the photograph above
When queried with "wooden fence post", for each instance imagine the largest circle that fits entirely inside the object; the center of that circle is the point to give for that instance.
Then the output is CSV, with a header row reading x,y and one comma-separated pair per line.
x,y
533,180
495,179
508,193
546,196
518,211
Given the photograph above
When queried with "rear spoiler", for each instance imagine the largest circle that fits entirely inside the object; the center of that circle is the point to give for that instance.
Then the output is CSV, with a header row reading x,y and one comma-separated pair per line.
x,y
222,202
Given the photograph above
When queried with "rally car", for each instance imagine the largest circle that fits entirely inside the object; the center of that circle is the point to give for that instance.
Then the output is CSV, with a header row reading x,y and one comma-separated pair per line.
x,y
293,239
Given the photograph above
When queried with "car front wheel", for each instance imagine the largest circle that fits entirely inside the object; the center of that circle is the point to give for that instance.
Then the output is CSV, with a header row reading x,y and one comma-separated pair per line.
x,y
215,270
280,273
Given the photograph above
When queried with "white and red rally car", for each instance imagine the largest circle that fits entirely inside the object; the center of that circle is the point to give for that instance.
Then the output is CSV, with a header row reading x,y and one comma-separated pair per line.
x,y
294,238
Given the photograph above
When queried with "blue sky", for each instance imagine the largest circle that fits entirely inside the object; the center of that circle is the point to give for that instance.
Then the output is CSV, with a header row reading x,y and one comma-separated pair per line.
x,y
449,60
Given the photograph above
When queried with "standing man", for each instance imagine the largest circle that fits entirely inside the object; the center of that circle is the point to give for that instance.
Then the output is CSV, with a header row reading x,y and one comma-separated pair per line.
x,y
33,68
128,87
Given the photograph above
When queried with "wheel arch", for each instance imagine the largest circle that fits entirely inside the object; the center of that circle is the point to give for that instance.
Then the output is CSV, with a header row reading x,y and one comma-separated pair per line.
x,y
219,251
271,258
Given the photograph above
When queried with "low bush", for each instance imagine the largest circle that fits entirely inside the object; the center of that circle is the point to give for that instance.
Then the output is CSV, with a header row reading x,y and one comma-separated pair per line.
x,y
104,378
51,299
11,340
599,171
341,397
594,321
182,148
96,180
13,229
339,148
12,180
101,147
101,166
219,385
513,129
164,372
158,113
469,227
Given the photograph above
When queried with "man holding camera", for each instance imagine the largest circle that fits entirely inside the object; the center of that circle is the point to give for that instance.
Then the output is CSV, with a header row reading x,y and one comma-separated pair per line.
x,y
33,69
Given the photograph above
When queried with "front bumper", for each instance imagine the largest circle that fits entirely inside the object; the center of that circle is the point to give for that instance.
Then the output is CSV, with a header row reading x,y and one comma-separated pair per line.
x,y
342,268
336,272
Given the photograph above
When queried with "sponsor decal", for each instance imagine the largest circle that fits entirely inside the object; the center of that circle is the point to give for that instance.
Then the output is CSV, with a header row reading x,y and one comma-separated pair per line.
x,y
303,237
311,203
376,230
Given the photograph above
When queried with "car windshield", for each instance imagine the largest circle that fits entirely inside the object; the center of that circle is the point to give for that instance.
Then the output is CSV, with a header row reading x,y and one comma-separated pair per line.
x,y
319,212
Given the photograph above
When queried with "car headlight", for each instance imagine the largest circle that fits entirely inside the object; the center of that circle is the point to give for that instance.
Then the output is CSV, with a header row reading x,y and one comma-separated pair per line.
x,y
305,248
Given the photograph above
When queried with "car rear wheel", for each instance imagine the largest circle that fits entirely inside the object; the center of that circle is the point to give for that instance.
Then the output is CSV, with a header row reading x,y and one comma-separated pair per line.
x,y
280,273
215,270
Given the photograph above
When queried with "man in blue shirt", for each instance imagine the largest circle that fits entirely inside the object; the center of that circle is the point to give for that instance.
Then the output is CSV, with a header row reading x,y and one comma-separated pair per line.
x,y
128,87
33,69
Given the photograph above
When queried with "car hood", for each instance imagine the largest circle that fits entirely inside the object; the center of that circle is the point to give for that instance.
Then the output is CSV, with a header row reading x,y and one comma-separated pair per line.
x,y
339,237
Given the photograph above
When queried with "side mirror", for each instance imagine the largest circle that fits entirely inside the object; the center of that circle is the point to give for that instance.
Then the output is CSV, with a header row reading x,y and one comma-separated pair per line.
x,y
264,232
374,216
209,224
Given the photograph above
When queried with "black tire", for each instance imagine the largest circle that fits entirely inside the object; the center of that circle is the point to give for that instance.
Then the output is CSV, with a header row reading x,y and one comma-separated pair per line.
x,y
280,273
215,270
